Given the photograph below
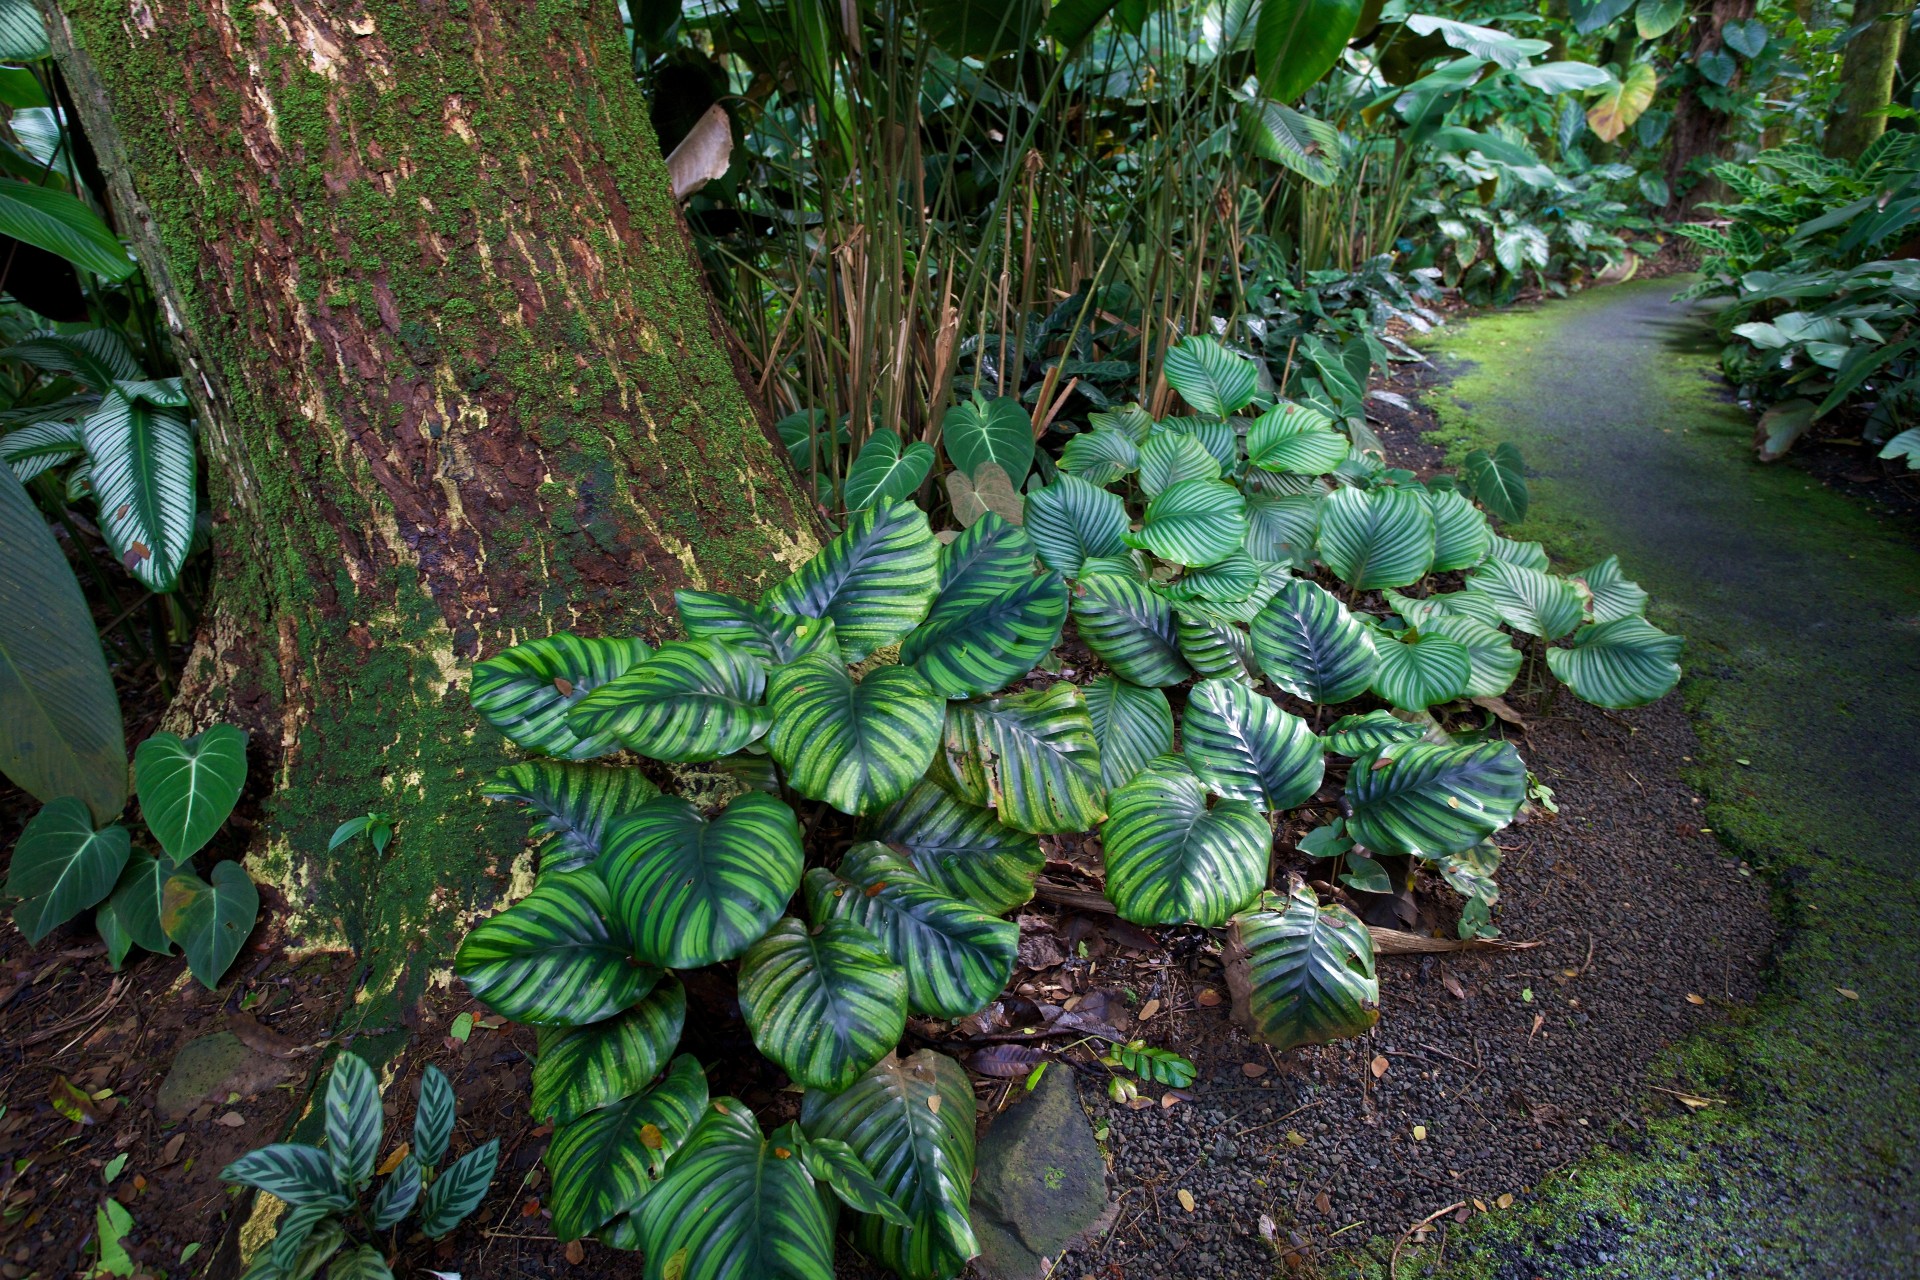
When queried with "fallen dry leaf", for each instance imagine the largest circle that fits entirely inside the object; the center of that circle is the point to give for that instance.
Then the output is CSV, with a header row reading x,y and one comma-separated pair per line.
x,y
1505,1201
1148,1009
1253,1070
393,1159
171,1152
1462,1214
1419,1133
576,1252
1379,1066
1186,1199
1694,999
1323,1202
1206,997
1295,1138
1480,1204
1692,1103
1452,984
531,1208
1539,1020
233,1120
1848,992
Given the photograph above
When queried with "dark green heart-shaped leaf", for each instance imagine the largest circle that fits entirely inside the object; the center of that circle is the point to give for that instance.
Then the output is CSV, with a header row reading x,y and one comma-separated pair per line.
x,y
1461,535
1414,674
552,959
875,580
187,787
692,700
1375,538
525,692
1492,659
1129,626
1209,377
62,866
1169,457
774,638
1132,724
859,746
353,1120
575,803
886,470
1301,973
1310,645
1628,662
971,650
581,1068
1498,481
963,849
1244,747
1194,522
1529,600
825,1003
1294,438
1172,859
1432,800
1356,735
210,921
1030,757
137,899
997,431
604,1163
1071,521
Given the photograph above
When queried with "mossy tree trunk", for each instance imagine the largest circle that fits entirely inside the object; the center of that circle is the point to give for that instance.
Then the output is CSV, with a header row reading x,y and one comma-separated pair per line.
x,y
459,384
1699,130
1867,73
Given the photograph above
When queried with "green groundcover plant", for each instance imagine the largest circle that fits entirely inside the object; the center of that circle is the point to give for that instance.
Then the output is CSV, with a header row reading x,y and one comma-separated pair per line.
x,y
899,678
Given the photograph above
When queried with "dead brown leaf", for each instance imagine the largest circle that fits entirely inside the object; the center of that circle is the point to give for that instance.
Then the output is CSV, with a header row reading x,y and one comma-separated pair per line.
x,y
1378,1066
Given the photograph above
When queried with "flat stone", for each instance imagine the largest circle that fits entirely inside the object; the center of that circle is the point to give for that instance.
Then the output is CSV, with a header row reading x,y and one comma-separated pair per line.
x,y
212,1067
1040,1181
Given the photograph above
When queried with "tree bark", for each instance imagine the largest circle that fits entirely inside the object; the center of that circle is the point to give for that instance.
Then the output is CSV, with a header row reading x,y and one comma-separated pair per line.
x,y
1699,131
458,383
1866,79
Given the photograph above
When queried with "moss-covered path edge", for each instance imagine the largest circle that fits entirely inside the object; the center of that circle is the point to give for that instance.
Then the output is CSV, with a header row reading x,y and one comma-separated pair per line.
x,y
1802,617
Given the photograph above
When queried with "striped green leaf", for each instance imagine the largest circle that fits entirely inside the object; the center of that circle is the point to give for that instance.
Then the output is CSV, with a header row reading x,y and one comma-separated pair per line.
x,y
1071,521
1169,457
963,849
1461,535
144,484
1284,528
1215,648
1356,735
1209,377
694,892
1129,626
1373,538
210,918
1226,581
999,431
858,746
970,650
1273,578
957,957
1419,669
187,787
59,222
97,359
293,1171
552,959
23,34
1529,600
1498,481
692,700
397,1196
1308,644
985,560
911,1123
605,1162
61,866
299,1226
1467,603
1132,724
1613,596
1492,659
433,1117
834,1163
1301,973
1528,555
773,638
1194,522
1244,747
1628,662
458,1191
582,1068
824,1003
39,446
1294,438
875,580
1416,611
353,1120
1431,800
575,802
1172,859
526,692
886,470
1217,438
1130,420
1100,456
1031,757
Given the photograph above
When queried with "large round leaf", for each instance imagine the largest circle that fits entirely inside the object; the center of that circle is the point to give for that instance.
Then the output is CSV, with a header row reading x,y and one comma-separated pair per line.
x,y
984,561
582,1068
210,921
1529,600
694,892
1356,735
774,638
1071,521
874,580
1613,597
188,786
1301,973
1030,757
1132,724
859,746
1373,538
1194,522
1129,626
1243,746
552,959
1172,859
911,1122
1169,457
824,1003
963,849
575,803
604,1163
1628,662
967,652
145,485
1461,534
692,700
1295,42
1101,456
957,957
1209,377
1431,800
1414,674
1284,528
1218,438
1529,555
1294,438
1492,659
1310,645
1223,582
526,692
1214,647
62,866
998,431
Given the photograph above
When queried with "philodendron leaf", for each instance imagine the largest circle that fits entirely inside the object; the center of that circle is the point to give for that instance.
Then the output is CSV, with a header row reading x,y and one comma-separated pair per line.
x,y
210,921
1193,522
824,1003
1417,670
886,470
1356,735
1308,644
694,892
1130,628
875,580
1172,858
62,866
581,1068
1301,973
1244,747
187,787
525,692
774,638
1529,600
1375,538
1209,377
458,1190
1431,800
987,492
1294,438
859,746
692,700
1030,757
604,1163
1628,662
956,956
1498,481
293,1171
1461,534
552,959
963,849
911,1123
575,803
1071,521
137,899
1612,597
353,1120
1132,724
997,431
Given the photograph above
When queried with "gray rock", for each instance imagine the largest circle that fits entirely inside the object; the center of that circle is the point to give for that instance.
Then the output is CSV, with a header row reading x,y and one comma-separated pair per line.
x,y
213,1067
1040,1181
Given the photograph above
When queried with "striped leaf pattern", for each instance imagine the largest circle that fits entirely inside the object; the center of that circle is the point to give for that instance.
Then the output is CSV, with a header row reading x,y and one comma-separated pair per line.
x,y
574,804
1528,555
525,692
1418,670
1373,538
1612,596
1356,735
458,1191
1173,860
1101,456
398,1194
96,358
964,850
1168,457
1071,521
911,1122
551,959
972,651
1244,747
297,1226
293,1171
1308,644
692,700
1431,800
38,446
1209,377
1217,438
1226,581
1273,578
604,1163
774,638
1492,660
987,559
1215,649
1031,757
858,746
353,1120
1194,522
1461,535
144,483
1301,973
1129,626
824,1003
1284,528
1529,600
1628,662
875,580
583,1068
833,1163
694,892
957,957
1294,438
433,1117
187,787
1132,724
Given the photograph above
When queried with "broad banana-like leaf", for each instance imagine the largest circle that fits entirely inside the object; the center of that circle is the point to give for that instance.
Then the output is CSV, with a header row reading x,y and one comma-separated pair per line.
x,y
1529,600
1215,648
773,638
886,470
1243,746
581,1069
526,691
1301,973
694,892
1172,859
604,1162
1295,42
824,1003
1099,457
1302,143
1071,521
1612,596
187,787
210,918
962,849
1432,800
98,359
62,224
552,959
875,580
1129,626
1211,378
858,746
1376,538
1498,480
1621,104
1284,528
969,648
144,483
1418,670
1294,438
998,431
1356,735
575,804
1133,724
1628,662
1461,534
61,866
1493,661
692,700
1193,522
1031,757
1310,645
1168,457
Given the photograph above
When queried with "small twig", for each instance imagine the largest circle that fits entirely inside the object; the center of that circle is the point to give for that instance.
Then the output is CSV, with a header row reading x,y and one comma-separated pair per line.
x,y
115,990
1393,1259
1697,1097
1268,1124
1587,963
